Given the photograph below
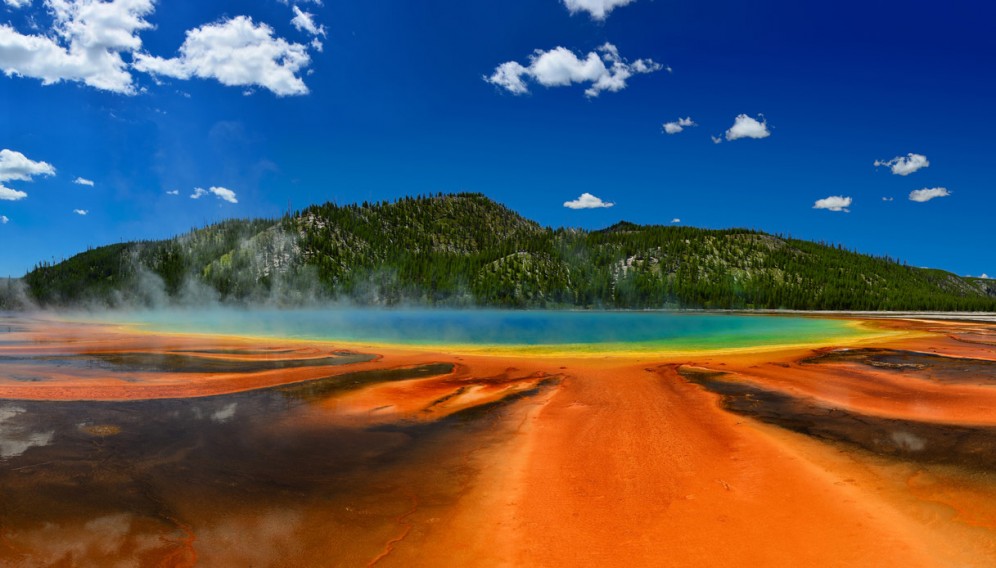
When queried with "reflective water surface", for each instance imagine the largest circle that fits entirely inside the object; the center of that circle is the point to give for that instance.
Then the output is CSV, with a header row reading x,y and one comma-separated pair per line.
x,y
179,480
598,330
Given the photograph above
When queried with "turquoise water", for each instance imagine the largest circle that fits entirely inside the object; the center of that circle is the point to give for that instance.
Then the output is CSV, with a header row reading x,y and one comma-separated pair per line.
x,y
595,330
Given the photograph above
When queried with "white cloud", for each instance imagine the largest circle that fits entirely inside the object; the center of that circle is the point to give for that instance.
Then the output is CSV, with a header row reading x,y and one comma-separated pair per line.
x,y
17,166
676,220
235,52
598,9
888,199
834,203
4,220
8,194
716,139
678,125
924,195
17,3
904,166
984,275
747,127
84,44
224,194
81,212
305,22
587,201
220,192
605,70
173,192
83,181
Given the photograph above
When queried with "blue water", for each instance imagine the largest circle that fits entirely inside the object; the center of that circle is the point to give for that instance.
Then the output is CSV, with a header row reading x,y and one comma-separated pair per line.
x,y
657,330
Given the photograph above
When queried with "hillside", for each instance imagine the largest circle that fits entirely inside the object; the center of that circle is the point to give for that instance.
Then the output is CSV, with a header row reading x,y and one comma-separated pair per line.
x,y
465,249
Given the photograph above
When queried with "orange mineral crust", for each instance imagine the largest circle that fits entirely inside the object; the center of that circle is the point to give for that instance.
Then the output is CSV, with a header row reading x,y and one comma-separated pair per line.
x,y
128,448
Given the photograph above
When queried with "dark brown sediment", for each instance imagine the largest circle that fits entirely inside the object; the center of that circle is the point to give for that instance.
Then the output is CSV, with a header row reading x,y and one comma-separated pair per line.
x,y
923,442
181,480
926,366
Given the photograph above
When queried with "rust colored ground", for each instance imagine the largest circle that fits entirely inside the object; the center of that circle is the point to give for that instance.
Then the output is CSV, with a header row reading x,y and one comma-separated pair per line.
x,y
598,461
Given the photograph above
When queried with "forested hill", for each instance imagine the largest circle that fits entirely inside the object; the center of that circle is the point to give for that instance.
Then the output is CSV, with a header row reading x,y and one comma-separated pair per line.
x,y
465,249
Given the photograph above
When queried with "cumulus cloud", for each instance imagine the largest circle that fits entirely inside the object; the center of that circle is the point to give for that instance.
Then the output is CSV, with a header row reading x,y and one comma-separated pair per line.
x,y
984,275
678,125
15,166
4,220
599,9
834,203
305,22
888,199
235,52
17,3
81,212
222,193
905,165
676,220
587,201
603,70
173,192
8,194
924,195
84,45
83,181
747,127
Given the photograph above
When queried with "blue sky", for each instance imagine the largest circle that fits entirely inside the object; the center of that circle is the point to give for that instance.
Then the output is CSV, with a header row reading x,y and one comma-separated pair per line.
x,y
269,104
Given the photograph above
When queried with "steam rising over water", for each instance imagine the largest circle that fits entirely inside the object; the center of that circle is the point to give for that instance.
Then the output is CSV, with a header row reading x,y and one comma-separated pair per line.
x,y
596,330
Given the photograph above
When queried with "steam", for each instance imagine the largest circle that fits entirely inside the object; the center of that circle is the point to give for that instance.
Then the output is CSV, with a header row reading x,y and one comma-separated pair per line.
x,y
14,295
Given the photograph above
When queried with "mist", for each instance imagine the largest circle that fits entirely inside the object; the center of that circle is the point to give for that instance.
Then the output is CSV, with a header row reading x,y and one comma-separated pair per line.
x,y
15,296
